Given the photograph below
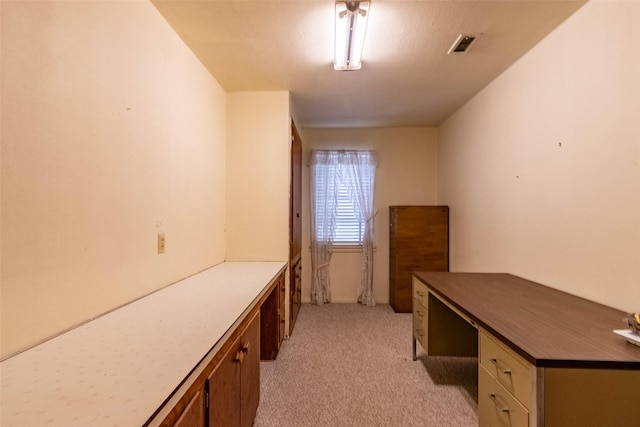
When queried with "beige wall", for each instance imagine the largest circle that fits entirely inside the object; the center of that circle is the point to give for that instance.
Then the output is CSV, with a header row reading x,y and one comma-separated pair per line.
x,y
112,132
406,174
258,163
542,168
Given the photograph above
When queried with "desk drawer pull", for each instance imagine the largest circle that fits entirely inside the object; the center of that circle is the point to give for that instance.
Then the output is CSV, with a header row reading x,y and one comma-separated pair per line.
x,y
500,366
496,402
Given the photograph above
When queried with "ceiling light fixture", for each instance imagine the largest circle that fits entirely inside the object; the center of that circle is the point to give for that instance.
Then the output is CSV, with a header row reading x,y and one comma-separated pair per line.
x,y
351,23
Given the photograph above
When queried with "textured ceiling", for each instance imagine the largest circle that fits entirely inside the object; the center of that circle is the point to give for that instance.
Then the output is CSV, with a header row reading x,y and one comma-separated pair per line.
x,y
407,78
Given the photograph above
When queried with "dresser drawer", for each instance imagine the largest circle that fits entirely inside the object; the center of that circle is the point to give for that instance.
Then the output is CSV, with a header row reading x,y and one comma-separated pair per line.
x,y
420,293
496,406
508,368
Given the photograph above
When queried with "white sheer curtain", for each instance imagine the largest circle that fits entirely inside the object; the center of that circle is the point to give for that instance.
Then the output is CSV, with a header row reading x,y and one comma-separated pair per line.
x,y
330,170
324,187
361,172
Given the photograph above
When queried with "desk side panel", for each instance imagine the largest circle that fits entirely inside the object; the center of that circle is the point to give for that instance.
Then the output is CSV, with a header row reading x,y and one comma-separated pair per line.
x,y
591,397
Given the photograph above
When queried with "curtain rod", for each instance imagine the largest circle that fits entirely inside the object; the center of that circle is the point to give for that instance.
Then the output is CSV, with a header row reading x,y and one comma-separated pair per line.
x,y
342,150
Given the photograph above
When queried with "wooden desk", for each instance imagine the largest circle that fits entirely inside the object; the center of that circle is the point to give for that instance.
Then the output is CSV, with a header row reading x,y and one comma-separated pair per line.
x,y
546,358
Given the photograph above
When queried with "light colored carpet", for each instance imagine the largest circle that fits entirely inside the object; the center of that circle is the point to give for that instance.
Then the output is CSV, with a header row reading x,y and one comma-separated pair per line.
x,y
349,365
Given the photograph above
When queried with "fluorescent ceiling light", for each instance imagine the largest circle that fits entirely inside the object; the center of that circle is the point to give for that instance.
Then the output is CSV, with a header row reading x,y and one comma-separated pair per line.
x,y
351,23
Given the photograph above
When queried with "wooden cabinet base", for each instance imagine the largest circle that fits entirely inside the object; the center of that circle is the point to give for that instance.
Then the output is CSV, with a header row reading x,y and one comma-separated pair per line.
x,y
193,414
227,391
234,385
295,293
225,386
272,321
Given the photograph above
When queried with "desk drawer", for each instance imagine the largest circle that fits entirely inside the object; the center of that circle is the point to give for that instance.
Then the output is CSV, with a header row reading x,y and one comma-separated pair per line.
x,y
420,293
508,368
496,406
420,316
421,336
420,313
420,324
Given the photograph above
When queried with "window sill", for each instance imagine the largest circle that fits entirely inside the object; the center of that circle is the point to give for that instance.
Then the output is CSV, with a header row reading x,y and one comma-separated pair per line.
x,y
347,248
350,248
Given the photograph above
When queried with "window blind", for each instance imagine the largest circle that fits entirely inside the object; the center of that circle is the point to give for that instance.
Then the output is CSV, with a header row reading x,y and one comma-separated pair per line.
x,y
349,227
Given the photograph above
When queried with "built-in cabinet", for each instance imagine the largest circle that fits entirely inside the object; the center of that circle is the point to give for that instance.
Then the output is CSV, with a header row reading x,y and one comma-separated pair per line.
x,y
226,392
281,312
272,320
233,387
295,228
418,241
295,292
193,414
189,360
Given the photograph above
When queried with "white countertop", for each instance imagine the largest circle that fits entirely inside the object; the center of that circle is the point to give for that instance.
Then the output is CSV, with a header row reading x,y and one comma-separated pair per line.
x,y
119,368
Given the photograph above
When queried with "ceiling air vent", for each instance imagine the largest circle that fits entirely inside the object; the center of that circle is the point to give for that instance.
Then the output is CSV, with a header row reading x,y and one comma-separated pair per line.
x,y
461,44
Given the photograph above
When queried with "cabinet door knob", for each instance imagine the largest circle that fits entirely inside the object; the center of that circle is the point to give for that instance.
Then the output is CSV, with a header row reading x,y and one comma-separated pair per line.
x,y
245,348
239,357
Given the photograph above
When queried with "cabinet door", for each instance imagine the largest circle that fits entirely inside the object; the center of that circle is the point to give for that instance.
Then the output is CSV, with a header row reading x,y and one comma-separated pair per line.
x,y
392,257
234,385
193,414
295,293
250,372
270,325
224,389
282,308
272,321
295,215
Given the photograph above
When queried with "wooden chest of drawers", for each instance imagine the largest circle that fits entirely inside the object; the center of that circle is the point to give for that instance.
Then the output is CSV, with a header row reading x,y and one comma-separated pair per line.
x,y
418,240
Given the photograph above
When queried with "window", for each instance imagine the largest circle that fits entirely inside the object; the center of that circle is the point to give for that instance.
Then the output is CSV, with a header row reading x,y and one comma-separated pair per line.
x,y
344,179
348,226
341,199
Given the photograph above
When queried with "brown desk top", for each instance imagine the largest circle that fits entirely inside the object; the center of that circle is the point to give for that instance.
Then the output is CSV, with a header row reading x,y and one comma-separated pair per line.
x,y
548,327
